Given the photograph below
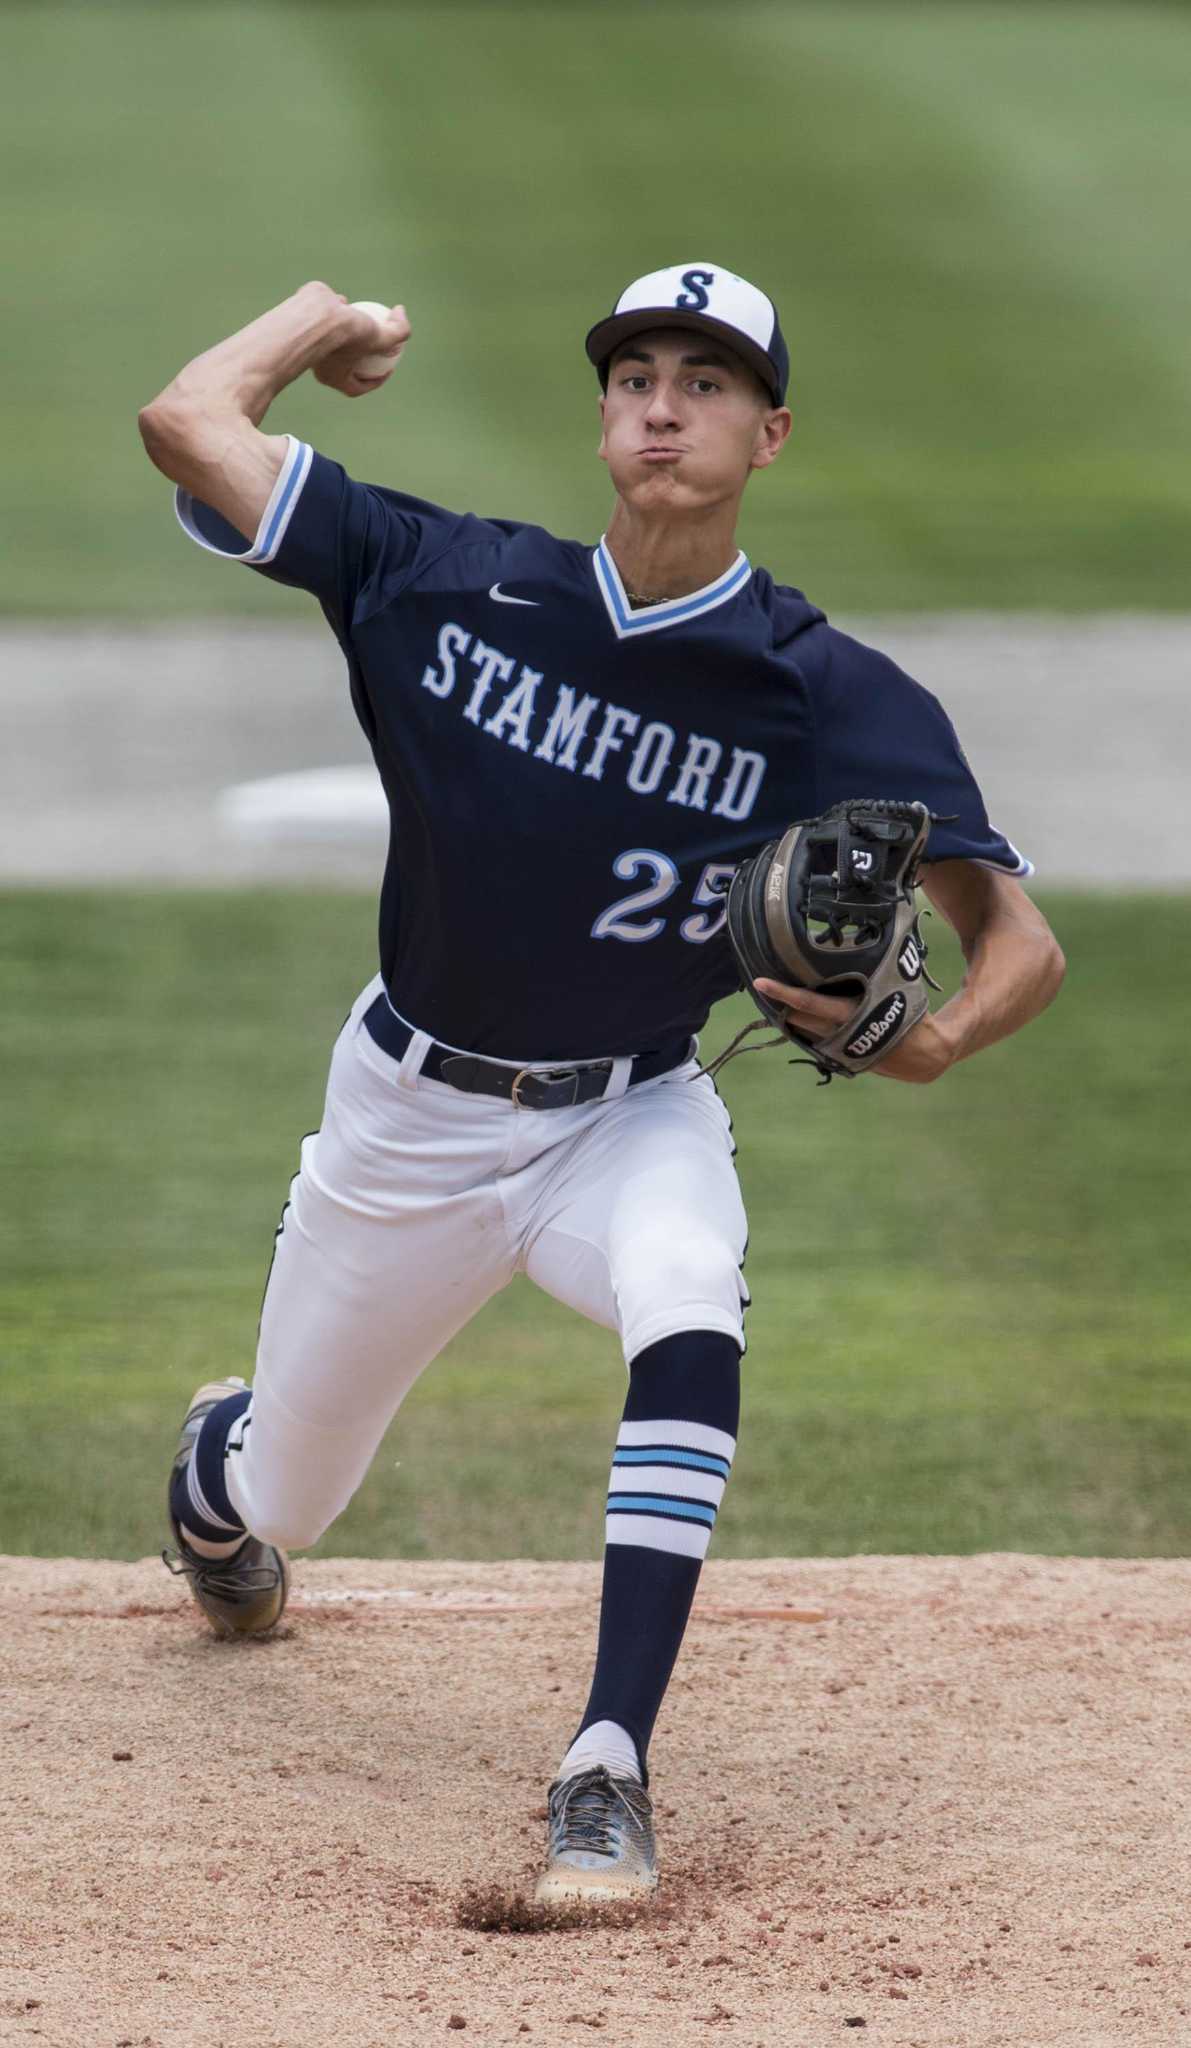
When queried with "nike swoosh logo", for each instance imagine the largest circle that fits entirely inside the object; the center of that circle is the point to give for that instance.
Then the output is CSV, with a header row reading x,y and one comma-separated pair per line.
x,y
500,597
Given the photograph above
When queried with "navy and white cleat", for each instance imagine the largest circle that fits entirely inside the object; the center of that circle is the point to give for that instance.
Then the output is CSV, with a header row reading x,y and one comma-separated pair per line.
x,y
601,1850
242,1594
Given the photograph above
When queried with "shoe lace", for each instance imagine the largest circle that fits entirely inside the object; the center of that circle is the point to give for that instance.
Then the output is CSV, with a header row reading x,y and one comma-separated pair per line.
x,y
221,1576
588,1810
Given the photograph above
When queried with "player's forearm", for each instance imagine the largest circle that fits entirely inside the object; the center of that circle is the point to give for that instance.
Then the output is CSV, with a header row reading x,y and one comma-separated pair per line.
x,y
203,430
239,378
1015,967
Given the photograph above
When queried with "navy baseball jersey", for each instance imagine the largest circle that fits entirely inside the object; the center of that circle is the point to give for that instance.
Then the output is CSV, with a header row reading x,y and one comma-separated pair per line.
x,y
571,782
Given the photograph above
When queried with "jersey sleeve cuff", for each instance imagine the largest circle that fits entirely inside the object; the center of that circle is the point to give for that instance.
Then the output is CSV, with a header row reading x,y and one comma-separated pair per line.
x,y
219,537
1010,862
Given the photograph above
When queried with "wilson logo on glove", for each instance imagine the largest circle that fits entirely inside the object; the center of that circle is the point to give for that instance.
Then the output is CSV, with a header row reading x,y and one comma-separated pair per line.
x,y
876,1028
909,960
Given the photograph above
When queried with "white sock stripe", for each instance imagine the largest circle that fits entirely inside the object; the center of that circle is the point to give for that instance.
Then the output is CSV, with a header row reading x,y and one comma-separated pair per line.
x,y
678,1479
690,1436
206,1546
199,1502
235,1435
658,1532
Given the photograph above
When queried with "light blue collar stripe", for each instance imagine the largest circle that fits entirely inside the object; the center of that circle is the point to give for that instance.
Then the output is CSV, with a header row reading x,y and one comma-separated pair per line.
x,y
681,607
611,595
664,1454
685,1511
740,567
630,621
281,509
691,607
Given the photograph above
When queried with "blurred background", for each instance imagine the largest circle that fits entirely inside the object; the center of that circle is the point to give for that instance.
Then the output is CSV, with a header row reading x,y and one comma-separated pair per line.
x,y
971,1302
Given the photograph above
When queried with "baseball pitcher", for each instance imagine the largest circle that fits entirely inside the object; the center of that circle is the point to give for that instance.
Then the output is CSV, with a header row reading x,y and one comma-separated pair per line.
x,y
580,747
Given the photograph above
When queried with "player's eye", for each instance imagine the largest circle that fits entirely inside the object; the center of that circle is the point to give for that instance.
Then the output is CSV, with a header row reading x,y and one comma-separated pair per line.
x,y
705,384
635,381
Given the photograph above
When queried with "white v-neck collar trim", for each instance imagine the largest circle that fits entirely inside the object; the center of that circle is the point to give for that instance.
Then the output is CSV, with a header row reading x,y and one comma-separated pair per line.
x,y
650,618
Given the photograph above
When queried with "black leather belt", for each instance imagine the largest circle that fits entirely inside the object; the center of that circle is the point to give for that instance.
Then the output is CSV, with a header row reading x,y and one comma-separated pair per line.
x,y
527,1087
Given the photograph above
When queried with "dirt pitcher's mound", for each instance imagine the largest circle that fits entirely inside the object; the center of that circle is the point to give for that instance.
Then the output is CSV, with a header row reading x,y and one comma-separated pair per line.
x,y
920,1801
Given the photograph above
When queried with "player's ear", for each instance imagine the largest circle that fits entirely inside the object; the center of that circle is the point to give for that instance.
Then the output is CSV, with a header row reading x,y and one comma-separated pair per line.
x,y
602,451
773,430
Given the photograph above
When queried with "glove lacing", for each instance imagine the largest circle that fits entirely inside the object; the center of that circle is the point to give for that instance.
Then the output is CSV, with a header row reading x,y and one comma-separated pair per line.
x,y
735,1049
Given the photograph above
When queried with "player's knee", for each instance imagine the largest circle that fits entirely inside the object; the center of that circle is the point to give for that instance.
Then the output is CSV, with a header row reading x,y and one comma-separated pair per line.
x,y
691,1270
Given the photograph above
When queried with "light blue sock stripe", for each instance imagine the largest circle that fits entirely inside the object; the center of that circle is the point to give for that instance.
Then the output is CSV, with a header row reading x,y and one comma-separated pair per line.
x,y
682,1510
665,1454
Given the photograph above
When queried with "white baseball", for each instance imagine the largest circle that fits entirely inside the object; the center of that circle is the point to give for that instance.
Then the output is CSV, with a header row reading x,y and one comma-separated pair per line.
x,y
375,365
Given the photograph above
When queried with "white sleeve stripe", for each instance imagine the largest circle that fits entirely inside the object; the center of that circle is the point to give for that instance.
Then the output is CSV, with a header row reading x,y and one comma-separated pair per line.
x,y
1020,868
275,518
286,492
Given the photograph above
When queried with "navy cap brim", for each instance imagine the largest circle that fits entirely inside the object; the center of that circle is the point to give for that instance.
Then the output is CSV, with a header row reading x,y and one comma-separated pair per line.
x,y
606,336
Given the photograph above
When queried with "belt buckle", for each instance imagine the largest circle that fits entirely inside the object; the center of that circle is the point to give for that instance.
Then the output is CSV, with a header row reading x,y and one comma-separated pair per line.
x,y
549,1075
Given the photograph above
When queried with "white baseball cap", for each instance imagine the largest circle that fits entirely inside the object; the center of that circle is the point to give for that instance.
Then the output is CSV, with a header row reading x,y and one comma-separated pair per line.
x,y
703,296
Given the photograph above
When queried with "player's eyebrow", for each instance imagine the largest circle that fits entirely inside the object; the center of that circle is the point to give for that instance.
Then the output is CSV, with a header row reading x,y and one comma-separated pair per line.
x,y
706,359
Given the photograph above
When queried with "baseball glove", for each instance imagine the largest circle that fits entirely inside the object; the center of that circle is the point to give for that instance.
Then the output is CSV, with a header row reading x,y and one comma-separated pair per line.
x,y
831,907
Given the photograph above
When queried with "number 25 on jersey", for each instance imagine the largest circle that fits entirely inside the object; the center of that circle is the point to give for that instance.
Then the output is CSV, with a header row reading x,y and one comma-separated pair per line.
x,y
617,922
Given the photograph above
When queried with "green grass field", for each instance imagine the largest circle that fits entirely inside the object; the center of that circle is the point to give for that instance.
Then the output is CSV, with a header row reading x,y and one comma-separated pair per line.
x,y
971,1321
973,218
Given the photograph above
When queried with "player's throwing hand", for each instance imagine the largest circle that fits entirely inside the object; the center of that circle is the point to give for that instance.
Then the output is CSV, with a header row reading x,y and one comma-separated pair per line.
x,y
367,357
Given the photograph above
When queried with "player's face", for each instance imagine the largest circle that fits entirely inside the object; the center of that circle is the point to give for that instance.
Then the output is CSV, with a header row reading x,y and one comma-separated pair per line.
x,y
685,420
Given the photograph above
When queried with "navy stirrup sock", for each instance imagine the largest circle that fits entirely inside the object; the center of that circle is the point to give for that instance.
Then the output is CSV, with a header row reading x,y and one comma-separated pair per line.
x,y
198,1492
673,1454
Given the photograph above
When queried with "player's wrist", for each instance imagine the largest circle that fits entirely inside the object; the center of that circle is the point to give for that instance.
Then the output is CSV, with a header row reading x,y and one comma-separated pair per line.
x,y
925,1054
299,334
956,1028
940,1044
248,371
241,376
324,321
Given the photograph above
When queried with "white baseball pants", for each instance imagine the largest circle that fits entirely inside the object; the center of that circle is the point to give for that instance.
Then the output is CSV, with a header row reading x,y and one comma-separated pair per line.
x,y
415,1203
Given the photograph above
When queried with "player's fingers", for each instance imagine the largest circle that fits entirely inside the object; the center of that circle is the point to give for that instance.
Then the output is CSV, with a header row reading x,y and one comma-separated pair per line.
x,y
811,1012
391,336
355,386
389,330
339,377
